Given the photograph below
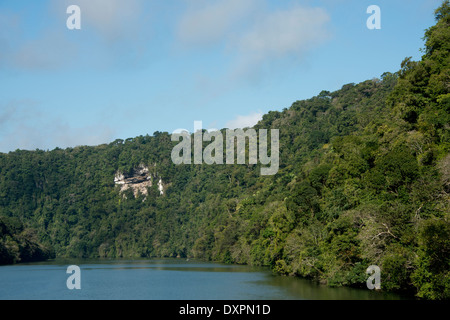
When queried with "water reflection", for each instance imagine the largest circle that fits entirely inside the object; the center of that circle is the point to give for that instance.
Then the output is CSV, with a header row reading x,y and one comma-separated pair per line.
x,y
305,289
165,279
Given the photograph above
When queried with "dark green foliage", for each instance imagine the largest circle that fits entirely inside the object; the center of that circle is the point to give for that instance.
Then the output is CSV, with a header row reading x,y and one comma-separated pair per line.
x,y
432,276
19,244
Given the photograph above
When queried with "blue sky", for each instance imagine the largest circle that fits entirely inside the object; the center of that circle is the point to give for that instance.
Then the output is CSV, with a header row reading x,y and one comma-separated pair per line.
x,y
140,66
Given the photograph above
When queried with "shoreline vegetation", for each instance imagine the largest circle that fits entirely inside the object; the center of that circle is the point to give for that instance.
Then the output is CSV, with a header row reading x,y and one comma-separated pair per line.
x,y
19,244
363,179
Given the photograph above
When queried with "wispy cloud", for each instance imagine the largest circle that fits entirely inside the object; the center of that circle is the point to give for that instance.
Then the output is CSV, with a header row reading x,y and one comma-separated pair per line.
x,y
252,34
244,121
23,125
112,30
113,20
281,33
206,23
52,51
45,49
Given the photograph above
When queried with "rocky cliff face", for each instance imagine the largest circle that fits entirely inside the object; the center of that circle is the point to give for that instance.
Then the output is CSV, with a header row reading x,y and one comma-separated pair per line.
x,y
139,180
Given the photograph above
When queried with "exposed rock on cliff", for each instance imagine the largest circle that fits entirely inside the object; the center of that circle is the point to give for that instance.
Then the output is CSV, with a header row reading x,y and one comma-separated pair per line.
x,y
138,180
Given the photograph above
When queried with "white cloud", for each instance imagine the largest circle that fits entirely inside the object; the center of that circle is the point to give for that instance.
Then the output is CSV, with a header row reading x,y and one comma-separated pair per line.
x,y
241,122
44,50
114,28
24,126
52,51
252,34
112,19
284,32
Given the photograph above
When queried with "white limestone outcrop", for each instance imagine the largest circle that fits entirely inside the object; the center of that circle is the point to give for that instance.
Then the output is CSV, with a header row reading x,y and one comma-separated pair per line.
x,y
139,180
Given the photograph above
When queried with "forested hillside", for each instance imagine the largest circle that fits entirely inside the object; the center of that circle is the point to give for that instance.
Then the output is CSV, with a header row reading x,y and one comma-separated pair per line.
x,y
364,179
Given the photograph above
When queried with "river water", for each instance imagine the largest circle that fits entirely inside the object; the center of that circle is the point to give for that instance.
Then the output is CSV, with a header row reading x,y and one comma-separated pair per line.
x,y
163,279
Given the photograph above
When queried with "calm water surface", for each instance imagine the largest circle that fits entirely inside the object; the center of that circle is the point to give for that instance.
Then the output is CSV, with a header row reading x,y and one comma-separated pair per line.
x,y
171,279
